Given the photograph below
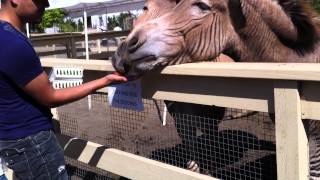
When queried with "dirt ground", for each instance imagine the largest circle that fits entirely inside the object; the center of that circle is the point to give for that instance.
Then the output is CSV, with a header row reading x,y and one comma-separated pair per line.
x,y
118,128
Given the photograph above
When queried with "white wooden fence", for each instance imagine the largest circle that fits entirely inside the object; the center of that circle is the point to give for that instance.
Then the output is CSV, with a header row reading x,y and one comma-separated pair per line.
x,y
291,91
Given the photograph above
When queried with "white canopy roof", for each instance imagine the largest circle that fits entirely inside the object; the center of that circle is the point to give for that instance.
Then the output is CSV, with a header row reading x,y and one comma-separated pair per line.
x,y
75,8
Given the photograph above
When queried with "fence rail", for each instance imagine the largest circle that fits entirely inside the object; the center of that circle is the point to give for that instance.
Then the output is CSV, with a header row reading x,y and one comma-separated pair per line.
x,y
64,38
69,40
288,90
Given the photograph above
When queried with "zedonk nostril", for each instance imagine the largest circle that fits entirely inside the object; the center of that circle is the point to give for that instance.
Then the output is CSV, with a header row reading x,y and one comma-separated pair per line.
x,y
126,67
133,44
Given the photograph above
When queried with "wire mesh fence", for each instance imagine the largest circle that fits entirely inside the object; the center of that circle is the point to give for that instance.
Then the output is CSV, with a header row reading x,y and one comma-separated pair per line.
x,y
219,142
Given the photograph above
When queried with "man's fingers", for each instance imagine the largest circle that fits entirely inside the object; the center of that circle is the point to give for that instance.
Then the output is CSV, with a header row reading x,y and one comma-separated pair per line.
x,y
123,79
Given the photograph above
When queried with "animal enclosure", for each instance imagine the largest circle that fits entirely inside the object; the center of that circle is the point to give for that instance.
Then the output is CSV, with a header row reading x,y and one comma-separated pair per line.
x,y
242,145
235,149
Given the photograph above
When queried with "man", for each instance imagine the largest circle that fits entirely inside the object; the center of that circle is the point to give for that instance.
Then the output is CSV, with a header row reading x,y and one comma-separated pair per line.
x,y
27,144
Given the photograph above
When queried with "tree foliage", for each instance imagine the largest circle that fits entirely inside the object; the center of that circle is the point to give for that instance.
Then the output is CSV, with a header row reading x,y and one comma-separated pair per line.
x,y
112,22
56,17
52,17
120,20
69,25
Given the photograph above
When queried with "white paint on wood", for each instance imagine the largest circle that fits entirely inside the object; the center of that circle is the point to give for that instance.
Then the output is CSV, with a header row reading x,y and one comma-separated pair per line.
x,y
310,110
278,71
54,113
9,174
136,167
310,103
250,94
88,152
291,139
281,71
95,65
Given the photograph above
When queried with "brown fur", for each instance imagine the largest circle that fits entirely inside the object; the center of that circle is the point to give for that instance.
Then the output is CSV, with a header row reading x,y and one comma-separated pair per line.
x,y
301,46
153,9
246,30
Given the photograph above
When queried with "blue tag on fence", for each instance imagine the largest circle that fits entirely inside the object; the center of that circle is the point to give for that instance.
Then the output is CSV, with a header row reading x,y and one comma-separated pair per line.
x,y
126,95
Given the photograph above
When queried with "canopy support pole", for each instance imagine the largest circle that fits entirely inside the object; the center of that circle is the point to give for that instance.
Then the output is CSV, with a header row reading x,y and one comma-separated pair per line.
x,y
86,34
28,30
87,48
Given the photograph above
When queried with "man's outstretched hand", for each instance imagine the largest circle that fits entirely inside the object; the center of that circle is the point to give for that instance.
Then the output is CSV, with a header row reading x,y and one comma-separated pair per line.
x,y
115,78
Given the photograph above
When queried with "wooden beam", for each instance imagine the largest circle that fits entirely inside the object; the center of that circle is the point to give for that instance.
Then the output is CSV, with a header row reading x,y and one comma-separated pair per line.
x,y
122,163
136,167
275,71
291,139
310,104
63,38
95,65
254,85
249,94
279,71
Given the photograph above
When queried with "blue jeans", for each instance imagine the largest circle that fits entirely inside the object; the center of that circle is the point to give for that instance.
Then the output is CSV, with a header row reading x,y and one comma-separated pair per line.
x,y
36,157
3,177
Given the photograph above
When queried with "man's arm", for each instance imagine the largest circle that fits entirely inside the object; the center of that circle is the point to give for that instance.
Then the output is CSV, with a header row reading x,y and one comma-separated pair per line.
x,y
41,89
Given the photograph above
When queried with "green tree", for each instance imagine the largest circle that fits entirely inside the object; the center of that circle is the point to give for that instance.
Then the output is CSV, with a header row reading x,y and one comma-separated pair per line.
x,y
51,18
120,20
80,26
112,22
68,25
123,18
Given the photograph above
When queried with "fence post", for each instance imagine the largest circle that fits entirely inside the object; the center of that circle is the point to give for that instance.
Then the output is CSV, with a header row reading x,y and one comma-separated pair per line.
x,y
73,47
291,138
69,49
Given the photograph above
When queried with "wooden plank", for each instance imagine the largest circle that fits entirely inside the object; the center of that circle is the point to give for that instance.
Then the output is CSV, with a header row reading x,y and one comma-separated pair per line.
x,y
88,152
291,139
122,163
73,47
96,65
50,53
136,167
247,94
63,38
55,114
44,42
68,48
102,55
310,104
108,34
281,71
250,94
277,71
310,109
10,175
